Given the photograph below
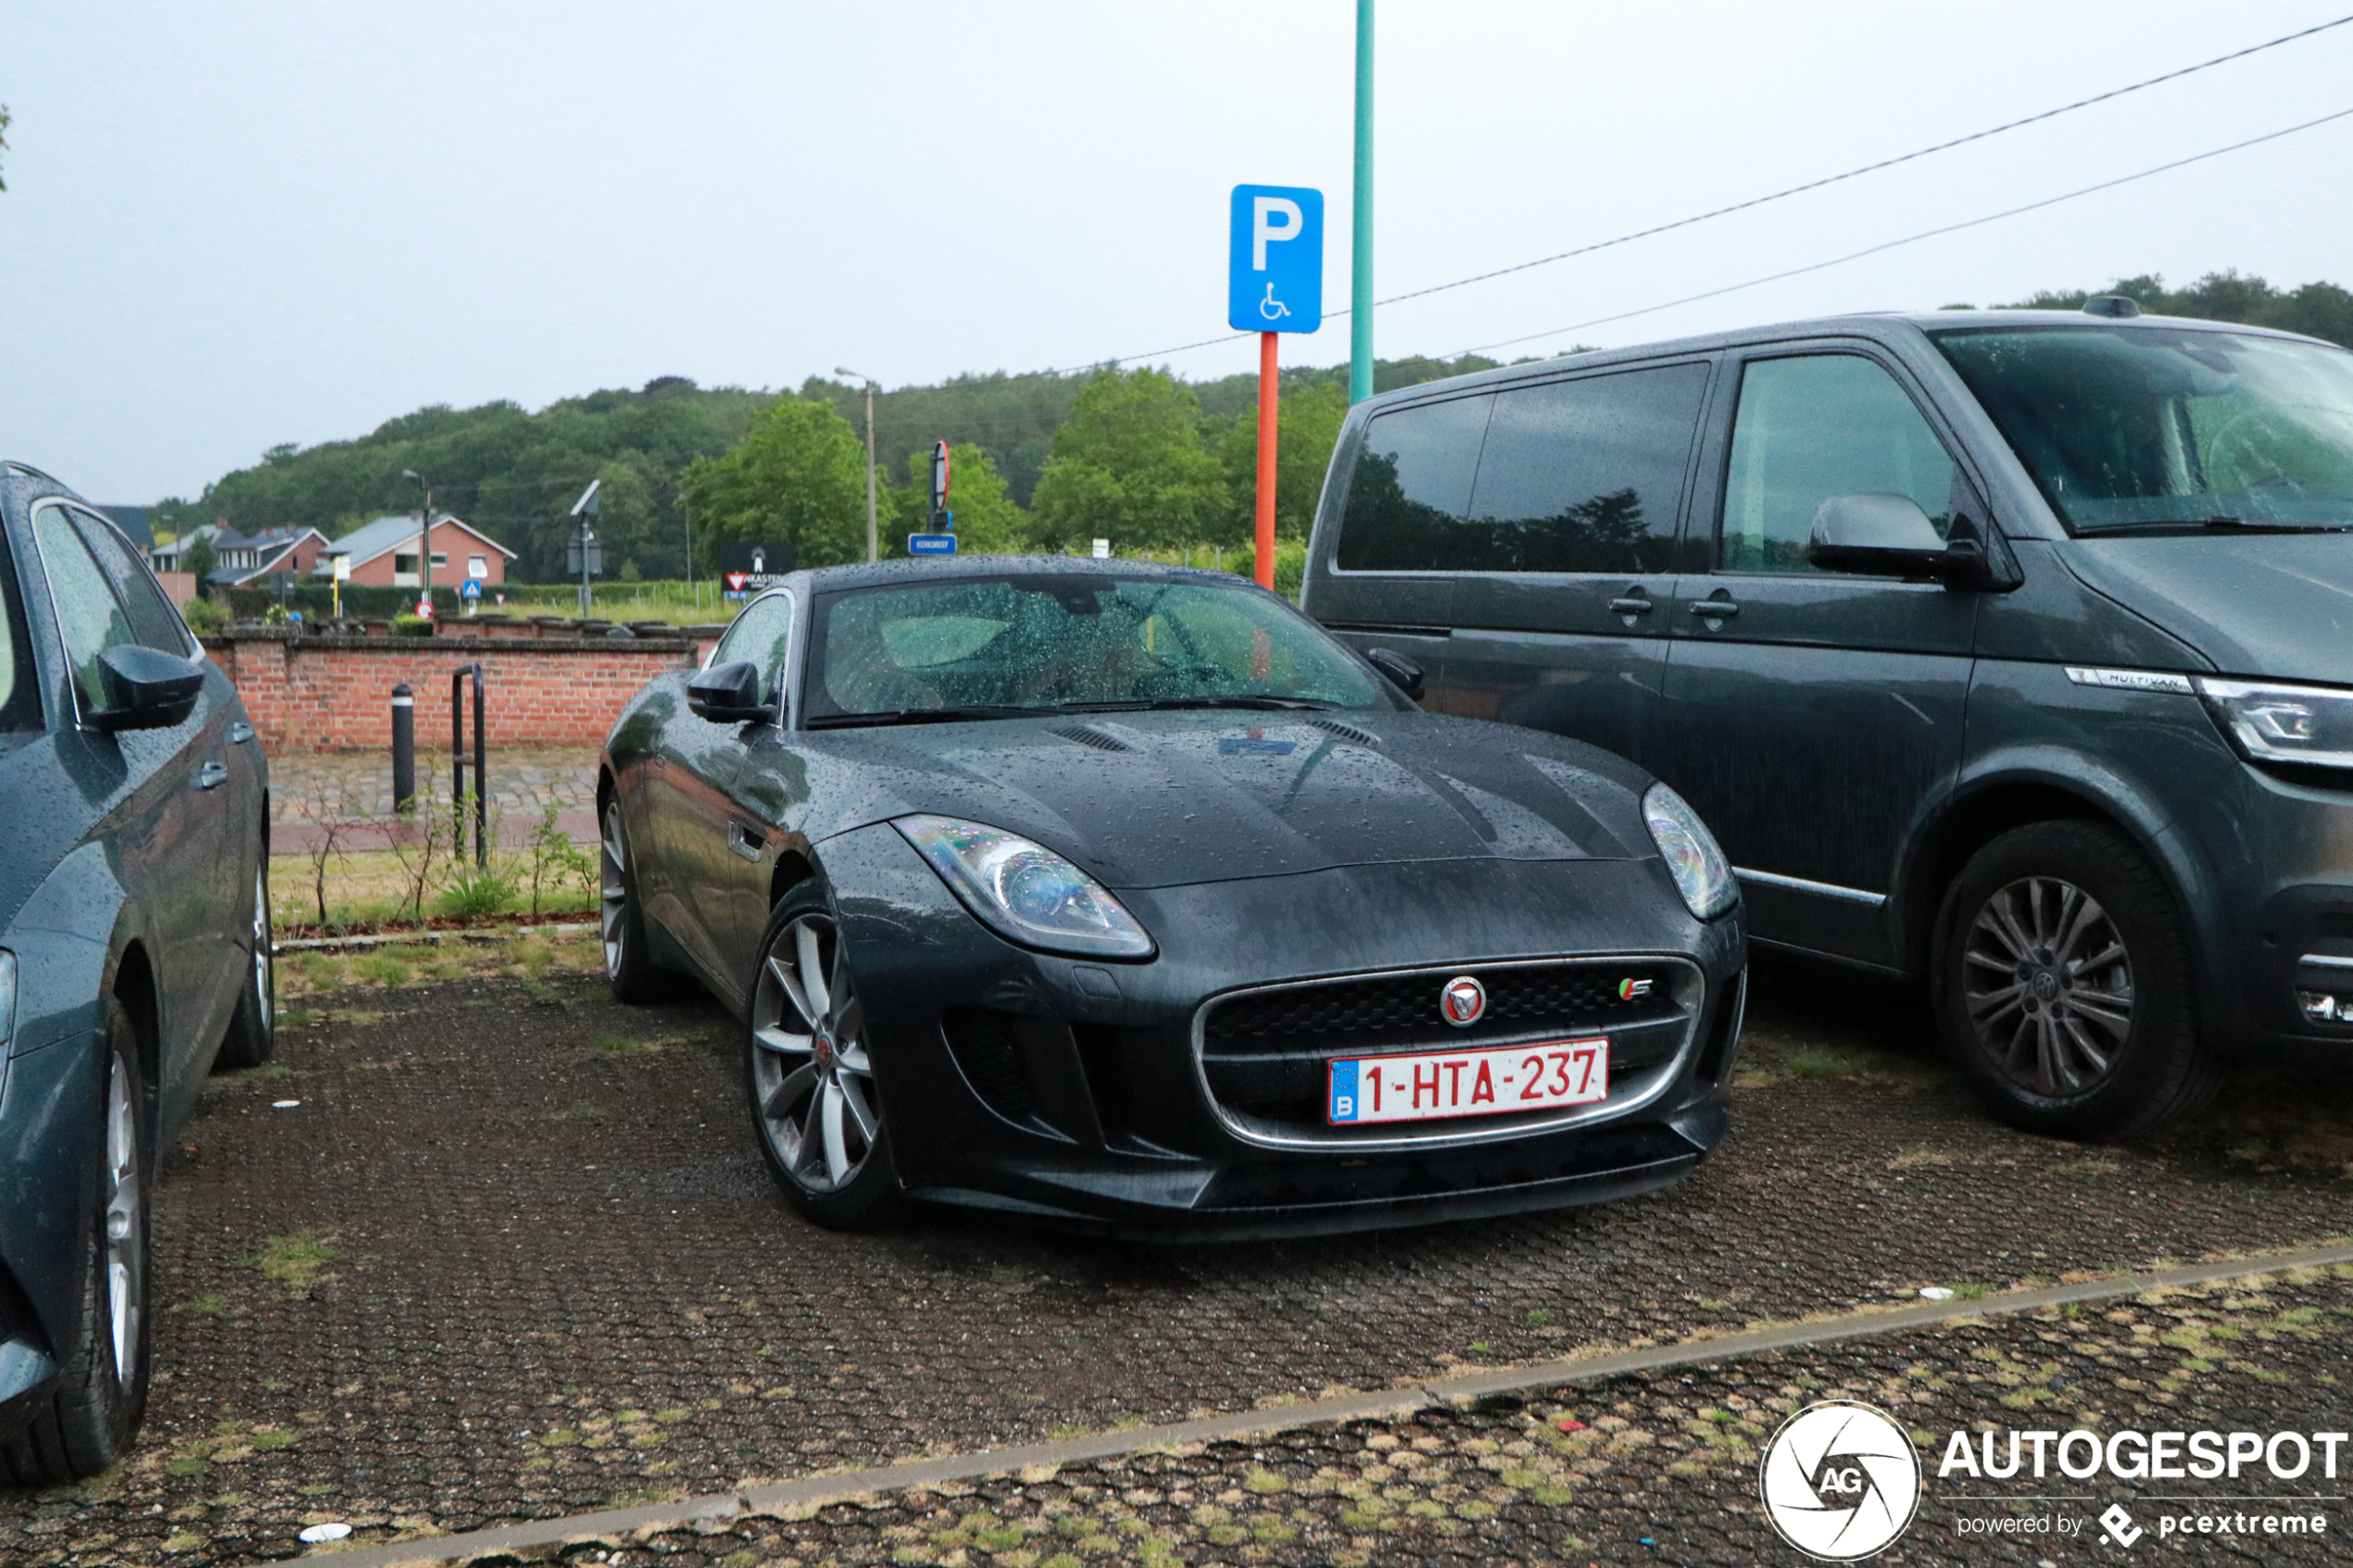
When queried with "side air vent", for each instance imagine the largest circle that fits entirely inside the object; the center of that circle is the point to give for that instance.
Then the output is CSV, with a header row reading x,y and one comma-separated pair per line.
x,y
1346,732
1084,734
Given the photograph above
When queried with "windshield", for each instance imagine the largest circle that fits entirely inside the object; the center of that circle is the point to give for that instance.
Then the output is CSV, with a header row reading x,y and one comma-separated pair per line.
x,y
1042,643
2146,427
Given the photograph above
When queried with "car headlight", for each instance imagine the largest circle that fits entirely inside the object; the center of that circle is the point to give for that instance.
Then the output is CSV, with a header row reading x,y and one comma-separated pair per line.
x,y
1702,874
2274,722
1024,891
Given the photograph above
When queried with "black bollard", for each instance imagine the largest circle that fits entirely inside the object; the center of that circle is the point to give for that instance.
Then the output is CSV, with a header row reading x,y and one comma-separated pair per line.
x,y
404,747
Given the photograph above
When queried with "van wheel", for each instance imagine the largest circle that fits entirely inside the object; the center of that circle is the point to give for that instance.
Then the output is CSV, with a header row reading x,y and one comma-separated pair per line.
x,y
253,1029
629,966
2062,985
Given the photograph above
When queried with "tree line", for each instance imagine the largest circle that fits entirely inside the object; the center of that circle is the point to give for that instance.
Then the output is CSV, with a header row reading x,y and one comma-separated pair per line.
x,y
1041,461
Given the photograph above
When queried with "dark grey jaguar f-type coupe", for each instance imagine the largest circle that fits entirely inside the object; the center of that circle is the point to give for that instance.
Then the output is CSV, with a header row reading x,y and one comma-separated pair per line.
x,y
1124,896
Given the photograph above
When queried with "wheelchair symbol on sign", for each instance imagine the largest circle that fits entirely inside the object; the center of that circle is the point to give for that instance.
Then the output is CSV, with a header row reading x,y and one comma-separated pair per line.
x,y
1272,308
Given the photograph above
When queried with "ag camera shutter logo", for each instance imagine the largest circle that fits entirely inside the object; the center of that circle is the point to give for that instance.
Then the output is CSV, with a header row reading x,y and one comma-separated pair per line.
x,y
1840,1481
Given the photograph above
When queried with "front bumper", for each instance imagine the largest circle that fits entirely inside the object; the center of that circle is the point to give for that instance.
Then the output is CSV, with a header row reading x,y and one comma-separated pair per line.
x,y
1077,1092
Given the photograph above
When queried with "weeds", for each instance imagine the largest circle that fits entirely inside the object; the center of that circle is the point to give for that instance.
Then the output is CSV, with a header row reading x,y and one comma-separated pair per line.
x,y
296,1264
557,863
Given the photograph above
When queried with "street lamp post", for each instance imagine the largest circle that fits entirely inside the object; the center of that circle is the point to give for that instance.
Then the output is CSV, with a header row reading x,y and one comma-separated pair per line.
x,y
874,540
424,540
1360,297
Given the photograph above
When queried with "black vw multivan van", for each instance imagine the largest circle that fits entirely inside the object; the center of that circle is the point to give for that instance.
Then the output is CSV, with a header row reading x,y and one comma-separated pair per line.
x,y
2009,649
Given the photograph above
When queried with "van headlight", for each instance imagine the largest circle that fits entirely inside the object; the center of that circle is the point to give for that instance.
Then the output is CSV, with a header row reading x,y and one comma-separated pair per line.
x,y
1702,874
2271,722
1024,891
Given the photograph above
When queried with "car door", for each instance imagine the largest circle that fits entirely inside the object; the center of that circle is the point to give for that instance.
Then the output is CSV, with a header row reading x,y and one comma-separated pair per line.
x,y
1811,717
163,821
1564,560
698,831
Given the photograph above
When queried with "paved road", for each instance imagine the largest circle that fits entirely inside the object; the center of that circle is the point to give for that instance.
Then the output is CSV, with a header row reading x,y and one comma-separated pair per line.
x,y
513,1256
310,790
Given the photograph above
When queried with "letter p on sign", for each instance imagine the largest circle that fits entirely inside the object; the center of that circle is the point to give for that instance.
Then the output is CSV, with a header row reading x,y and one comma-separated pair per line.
x,y
1276,256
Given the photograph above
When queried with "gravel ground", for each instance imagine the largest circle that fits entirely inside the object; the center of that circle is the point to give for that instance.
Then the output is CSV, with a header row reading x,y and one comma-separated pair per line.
x,y
513,1256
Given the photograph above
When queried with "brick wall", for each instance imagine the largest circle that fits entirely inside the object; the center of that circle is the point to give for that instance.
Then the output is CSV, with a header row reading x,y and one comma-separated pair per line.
x,y
334,694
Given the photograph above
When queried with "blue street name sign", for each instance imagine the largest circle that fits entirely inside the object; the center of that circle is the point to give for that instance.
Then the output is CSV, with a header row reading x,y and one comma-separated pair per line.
x,y
1275,279
931,543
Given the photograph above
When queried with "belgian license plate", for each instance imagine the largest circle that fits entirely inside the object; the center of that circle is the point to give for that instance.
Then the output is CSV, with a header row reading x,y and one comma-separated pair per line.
x,y
1481,1083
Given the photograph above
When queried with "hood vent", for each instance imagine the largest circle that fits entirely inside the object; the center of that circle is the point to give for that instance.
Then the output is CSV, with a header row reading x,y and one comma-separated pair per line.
x,y
1346,732
1084,734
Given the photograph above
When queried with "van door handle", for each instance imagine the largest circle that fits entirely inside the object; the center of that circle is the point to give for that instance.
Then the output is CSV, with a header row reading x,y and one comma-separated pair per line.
x,y
1715,609
212,775
1630,606
744,842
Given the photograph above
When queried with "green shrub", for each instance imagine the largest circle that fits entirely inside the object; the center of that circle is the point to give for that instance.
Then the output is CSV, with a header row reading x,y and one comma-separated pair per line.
x,y
411,626
204,617
485,890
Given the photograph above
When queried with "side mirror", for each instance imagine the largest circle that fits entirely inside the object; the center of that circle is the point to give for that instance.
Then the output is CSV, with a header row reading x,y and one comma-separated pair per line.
x,y
1882,533
146,689
1403,673
727,694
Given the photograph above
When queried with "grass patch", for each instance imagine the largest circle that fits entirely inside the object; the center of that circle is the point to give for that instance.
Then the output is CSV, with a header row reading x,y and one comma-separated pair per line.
x,y
294,1263
381,969
630,1044
579,1110
265,1072
1824,1064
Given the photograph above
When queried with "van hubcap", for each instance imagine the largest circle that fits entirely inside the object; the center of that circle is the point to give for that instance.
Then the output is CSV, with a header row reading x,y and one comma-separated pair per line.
x,y
126,1261
2048,985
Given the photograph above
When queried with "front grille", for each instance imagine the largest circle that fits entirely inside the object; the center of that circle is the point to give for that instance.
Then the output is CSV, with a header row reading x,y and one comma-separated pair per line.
x,y
1392,1009
1266,1056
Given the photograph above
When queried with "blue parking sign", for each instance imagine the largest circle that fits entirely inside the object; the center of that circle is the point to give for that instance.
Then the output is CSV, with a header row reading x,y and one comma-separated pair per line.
x,y
1275,279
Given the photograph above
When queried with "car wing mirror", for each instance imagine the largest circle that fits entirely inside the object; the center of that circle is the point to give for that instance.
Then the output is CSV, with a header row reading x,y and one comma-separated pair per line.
x,y
727,694
1885,533
146,689
1403,673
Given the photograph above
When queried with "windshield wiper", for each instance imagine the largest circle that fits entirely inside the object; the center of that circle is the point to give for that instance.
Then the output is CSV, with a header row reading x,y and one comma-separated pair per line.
x,y
2221,523
1150,705
918,716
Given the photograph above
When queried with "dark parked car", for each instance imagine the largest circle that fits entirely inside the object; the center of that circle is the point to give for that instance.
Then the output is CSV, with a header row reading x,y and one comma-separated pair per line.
x,y
135,946
2010,650
1124,896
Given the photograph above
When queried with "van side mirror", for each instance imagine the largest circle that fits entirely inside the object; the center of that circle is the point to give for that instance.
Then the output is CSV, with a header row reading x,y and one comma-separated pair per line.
x,y
727,694
146,689
1883,533
1403,673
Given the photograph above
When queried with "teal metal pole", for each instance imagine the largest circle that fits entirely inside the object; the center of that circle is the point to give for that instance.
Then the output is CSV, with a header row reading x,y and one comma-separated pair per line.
x,y
1360,296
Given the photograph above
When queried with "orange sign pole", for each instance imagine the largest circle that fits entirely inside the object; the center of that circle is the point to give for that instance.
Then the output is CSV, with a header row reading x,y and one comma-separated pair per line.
x,y
1268,392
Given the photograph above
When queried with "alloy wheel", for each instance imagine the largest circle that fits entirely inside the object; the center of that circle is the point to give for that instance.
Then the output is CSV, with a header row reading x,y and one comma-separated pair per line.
x,y
2048,985
265,961
613,889
812,1078
125,1238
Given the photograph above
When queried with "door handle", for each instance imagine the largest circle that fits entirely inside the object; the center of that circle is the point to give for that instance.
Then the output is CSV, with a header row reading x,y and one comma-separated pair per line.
x,y
240,733
1630,606
744,842
1715,609
212,775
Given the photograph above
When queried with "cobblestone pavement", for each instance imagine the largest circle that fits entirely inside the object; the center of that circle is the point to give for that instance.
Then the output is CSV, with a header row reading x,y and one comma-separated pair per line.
x,y
358,785
1662,1468
513,1256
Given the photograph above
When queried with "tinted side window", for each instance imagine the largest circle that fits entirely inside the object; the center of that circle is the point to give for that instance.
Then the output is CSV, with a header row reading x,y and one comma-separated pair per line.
x,y
90,618
1411,486
153,621
1811,428
1584,475
759,637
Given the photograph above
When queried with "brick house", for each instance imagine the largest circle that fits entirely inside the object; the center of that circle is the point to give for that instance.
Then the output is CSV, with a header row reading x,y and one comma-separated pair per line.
x,y
242,559
384,554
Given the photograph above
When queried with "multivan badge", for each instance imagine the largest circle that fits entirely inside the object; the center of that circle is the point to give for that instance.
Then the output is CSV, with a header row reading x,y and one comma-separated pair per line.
x,y
1464,1001
1629,990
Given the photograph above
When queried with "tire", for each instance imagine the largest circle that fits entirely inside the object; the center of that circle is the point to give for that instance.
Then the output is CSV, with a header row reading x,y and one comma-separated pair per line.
x,y
629,966
2063,986
815,1111
253,1029
86,1424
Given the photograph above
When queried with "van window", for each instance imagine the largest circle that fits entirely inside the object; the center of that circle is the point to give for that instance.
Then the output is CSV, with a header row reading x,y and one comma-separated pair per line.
x,y
1412,485
1584,475
1814,427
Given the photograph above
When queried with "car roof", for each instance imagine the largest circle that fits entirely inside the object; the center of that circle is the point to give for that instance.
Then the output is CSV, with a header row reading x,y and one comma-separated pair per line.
x,y
1882,325
865,574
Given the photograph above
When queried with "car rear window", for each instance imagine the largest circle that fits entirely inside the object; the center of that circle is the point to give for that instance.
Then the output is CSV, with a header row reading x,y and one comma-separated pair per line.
x,y
1583,475
19,686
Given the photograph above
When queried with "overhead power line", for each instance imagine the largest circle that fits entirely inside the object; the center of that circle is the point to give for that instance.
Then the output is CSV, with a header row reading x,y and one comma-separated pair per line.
x,y
1914,239
1826,180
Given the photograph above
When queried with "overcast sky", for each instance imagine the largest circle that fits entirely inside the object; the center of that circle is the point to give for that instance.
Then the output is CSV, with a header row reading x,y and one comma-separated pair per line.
x,y
236,224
